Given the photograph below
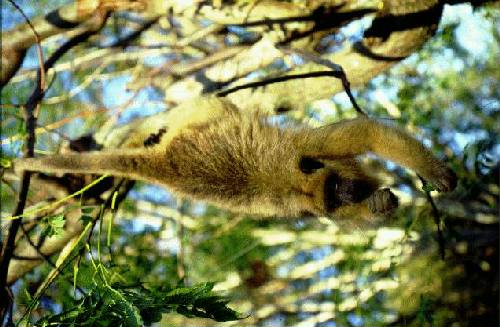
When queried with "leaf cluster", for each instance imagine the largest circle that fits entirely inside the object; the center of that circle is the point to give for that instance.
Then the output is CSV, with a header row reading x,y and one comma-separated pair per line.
x,y
119,304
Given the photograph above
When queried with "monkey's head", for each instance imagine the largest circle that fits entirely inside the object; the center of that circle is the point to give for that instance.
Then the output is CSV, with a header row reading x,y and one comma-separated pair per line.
x,y
294,184
324,186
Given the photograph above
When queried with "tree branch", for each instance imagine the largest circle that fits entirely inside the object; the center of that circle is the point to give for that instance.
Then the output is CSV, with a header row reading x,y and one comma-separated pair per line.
x,y
30,121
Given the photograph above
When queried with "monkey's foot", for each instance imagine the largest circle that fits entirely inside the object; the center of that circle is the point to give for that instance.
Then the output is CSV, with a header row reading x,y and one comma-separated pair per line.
x,y
442,179
382,201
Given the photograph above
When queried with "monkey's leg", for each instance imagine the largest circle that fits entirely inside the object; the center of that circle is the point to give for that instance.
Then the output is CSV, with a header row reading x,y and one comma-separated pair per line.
x,y
358,136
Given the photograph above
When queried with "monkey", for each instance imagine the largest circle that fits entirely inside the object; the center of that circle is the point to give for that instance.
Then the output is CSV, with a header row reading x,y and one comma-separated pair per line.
x,y
213,152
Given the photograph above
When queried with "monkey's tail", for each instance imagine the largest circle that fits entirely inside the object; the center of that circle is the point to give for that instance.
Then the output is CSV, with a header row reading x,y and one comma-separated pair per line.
x,y
117,163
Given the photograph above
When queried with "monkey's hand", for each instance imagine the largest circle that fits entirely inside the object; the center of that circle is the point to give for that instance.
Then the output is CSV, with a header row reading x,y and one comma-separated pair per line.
x,y
382,201
441,178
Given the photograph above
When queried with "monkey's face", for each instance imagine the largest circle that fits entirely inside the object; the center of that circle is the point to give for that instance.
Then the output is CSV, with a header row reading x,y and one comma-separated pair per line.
x,y
328,185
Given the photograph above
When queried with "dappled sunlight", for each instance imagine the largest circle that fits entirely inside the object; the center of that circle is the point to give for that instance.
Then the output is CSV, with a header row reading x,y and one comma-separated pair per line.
x,y
290,232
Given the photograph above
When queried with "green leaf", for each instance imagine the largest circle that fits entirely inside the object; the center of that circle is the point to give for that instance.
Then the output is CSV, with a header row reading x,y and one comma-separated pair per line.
x,y
86,219
5,163
195,301
129,313
56,225
427,187
87,210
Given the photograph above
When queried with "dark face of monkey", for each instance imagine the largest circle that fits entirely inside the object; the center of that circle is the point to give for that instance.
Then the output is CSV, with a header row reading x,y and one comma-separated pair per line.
x,y
338,189
343,191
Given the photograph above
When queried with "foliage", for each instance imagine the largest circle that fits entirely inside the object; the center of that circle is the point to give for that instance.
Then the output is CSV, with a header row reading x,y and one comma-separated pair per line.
x,y
122,305
107,300
55,225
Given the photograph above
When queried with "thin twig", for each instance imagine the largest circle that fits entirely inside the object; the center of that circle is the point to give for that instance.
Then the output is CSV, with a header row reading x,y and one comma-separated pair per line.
x,y
437,219
45,257
285,78
126,185
38,46
315,16
334,67
11,106
125,41
57,124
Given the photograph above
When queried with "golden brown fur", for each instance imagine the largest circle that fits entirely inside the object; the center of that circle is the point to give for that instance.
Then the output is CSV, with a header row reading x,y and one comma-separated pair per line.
x,y
243,163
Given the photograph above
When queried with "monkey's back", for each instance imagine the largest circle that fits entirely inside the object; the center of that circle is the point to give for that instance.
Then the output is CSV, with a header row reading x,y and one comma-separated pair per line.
x,y
237,161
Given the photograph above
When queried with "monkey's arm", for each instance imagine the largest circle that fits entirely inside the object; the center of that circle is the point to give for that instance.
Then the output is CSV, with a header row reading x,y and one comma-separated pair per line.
x,y
358,136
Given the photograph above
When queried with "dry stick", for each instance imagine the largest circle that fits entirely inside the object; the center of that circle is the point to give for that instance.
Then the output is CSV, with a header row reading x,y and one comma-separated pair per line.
x,y
125,41
30,119
10,322
38,46
336,74
7,248
334,67
57,124
315,17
